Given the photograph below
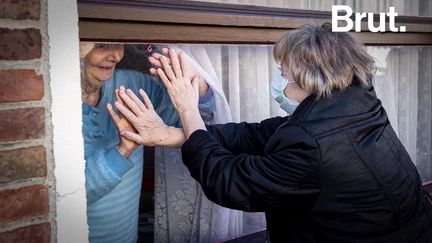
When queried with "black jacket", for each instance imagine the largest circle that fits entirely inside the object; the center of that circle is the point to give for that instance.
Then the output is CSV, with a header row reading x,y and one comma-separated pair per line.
x,y
334,171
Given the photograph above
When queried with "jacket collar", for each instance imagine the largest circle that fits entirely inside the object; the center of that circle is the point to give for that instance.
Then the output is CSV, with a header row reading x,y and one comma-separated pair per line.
x,y
352,101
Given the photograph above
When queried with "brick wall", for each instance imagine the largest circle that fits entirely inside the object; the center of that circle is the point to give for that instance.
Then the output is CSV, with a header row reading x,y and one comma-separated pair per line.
x,y
27,193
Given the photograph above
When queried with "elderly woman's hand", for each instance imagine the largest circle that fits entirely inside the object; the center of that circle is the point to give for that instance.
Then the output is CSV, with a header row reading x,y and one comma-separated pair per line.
x,y
150,127
155,60
126,146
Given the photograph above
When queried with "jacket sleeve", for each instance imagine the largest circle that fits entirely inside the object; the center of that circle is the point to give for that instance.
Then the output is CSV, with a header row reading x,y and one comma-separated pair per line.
x,y
104,171
250,182
249,138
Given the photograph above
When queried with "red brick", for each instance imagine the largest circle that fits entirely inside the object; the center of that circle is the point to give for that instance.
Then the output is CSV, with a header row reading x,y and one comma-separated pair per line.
x,y
22,163
22,9
22,124
22,203
20,85
23,44
38,233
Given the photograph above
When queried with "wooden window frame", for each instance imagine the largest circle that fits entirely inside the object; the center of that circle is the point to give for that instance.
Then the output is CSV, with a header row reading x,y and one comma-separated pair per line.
x,y
170,21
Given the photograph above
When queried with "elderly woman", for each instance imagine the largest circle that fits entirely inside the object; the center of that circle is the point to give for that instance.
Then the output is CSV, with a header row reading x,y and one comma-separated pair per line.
x,y
333,171
114,165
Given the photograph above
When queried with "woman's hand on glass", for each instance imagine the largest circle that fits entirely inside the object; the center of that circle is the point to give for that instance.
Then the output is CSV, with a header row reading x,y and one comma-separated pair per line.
x,y
126,146
179,79
150,128
155,60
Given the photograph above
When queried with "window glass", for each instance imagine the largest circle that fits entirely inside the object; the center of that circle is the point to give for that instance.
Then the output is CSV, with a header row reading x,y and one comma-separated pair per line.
x,y
403,82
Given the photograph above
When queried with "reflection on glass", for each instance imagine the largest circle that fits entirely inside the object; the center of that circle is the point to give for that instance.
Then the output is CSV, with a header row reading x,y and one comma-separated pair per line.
x,y
403,7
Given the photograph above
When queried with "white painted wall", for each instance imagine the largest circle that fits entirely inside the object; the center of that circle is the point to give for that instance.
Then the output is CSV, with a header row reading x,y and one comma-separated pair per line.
x,y
66,120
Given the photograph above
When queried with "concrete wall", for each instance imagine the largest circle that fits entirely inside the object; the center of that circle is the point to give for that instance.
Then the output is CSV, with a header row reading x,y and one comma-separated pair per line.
x,y
66,118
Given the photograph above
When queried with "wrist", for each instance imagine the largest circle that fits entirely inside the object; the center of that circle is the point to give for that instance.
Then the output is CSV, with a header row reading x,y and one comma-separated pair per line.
x,y
192,121
164,135
189,114
125,151
175,138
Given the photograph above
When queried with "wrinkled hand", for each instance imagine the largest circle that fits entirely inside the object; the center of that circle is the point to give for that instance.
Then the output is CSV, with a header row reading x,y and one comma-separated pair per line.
x,y
150,127
156,60
181,84
126,146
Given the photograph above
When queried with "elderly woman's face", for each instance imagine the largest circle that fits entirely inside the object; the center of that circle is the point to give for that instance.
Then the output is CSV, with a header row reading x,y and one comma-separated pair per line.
x,y
100,62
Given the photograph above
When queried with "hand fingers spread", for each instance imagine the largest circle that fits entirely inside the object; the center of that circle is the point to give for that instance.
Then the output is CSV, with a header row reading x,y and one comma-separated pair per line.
x,y
154,61
130,103
153,71
175,63
137,101
185,65
146,99
117,95
157,56
167,69
126,113
164,79
113,115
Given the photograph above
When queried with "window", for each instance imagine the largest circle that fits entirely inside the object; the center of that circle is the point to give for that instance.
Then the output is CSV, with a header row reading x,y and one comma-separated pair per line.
x,y
232,40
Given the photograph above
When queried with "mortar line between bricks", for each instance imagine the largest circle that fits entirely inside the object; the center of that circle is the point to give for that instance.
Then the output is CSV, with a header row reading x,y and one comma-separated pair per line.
x,y
21,144
24,223
34,64
22,105
19,24
17,184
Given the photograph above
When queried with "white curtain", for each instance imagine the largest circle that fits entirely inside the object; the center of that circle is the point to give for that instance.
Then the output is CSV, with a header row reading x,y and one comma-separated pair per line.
x,y
403,83
242,74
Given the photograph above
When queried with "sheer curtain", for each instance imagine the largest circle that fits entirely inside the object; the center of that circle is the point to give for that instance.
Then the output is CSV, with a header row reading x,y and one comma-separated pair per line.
x,y
403,83
240,75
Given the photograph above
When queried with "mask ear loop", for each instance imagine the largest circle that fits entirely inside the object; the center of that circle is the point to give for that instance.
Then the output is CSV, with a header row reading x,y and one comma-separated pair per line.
x,y
283,76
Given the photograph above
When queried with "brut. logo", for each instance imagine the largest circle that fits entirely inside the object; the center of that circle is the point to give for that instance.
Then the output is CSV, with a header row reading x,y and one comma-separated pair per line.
x,y
336,19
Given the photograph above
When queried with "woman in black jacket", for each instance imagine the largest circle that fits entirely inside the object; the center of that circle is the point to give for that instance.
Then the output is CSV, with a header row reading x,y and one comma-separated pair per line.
x,y
333,171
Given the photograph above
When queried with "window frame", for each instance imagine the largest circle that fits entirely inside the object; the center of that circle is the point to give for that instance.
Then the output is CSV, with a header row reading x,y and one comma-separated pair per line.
x,y
170,21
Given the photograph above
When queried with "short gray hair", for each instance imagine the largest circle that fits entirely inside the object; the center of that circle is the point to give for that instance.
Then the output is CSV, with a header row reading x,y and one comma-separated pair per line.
x,y
322,61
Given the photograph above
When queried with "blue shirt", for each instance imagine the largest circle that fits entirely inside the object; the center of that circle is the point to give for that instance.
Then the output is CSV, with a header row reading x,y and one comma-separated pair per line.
x,y
113,183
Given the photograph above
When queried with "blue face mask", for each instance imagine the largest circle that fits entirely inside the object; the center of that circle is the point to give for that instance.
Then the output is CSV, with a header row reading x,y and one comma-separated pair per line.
x,y
278,85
